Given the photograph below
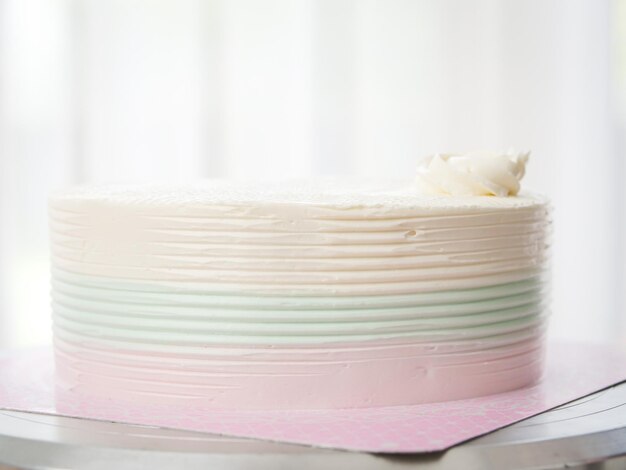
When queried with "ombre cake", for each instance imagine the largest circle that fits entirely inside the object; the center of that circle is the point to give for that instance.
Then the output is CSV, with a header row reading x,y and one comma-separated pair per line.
x,y
294,295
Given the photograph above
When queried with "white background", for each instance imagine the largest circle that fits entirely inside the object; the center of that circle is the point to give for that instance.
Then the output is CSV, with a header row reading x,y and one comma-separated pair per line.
x,y
143,90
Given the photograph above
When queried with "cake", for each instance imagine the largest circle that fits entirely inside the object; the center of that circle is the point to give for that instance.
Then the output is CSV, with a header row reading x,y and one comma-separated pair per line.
x,y
311,294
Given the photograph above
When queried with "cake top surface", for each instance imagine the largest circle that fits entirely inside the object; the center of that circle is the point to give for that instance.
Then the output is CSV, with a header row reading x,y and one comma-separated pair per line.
x,y
326,192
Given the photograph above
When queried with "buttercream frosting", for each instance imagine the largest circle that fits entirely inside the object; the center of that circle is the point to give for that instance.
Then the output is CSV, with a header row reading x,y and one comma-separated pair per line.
x,y
296,295
475,174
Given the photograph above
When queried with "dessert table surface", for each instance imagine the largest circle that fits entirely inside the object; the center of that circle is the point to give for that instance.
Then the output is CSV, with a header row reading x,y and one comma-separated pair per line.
x,y
587,433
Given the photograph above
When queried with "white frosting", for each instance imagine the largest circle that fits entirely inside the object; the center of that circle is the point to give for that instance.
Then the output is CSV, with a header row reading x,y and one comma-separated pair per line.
x,y
324,198
326,238
472,174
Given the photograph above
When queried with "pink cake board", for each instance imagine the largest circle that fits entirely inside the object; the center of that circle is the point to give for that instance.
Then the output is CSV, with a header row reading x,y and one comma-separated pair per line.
x,y
573,371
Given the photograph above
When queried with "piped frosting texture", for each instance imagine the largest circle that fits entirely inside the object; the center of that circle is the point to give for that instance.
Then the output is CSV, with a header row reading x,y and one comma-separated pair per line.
x,y
473,174
223,294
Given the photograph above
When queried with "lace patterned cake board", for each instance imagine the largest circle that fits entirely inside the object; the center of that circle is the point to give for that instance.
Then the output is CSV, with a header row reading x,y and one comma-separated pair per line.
x,y
573,371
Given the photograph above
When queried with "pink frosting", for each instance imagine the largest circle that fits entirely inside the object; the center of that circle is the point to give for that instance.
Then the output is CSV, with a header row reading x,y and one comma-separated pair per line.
x,y
383,373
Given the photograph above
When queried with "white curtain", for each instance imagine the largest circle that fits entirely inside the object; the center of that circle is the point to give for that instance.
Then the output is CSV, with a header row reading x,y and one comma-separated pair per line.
x,y
145,90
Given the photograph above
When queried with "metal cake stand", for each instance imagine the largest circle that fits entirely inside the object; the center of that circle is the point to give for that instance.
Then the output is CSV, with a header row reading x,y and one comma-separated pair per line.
x,y
588,433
